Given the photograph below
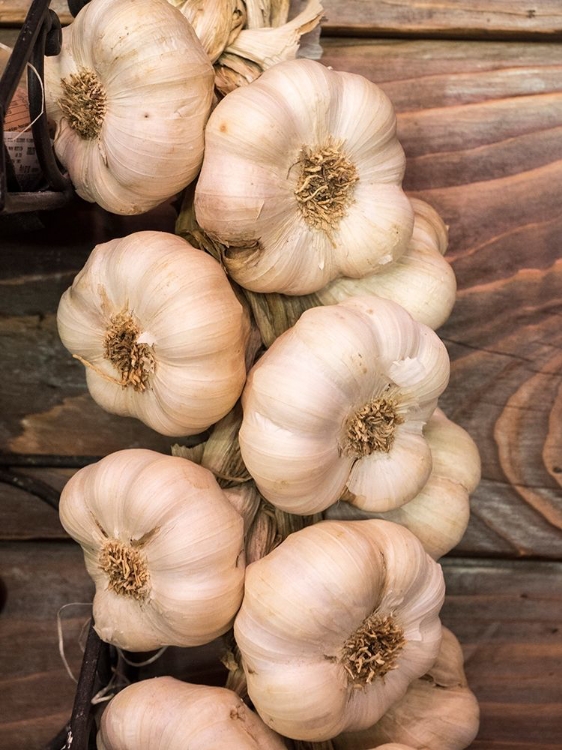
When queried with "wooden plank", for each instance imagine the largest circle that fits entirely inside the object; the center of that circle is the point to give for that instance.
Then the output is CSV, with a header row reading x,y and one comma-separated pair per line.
x,y
473,19
15,11
507,19
507,615
25,516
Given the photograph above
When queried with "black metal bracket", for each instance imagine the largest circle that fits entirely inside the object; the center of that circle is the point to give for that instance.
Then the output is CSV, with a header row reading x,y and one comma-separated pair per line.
x,y
40,35
99,658
80,732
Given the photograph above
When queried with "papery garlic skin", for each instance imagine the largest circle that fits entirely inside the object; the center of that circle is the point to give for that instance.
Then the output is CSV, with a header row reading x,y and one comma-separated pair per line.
x,y
166,714
260,48
217,23
310,389
438,712
190,329
439,514
261,144
130,93
304,602
168,525
421,280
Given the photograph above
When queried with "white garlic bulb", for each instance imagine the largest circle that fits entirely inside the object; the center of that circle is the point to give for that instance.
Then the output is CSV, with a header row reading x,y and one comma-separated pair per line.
x,y
438,712
337,405
301,179
166,714
421,280
335,624
160,330
130,93
163,545
439,514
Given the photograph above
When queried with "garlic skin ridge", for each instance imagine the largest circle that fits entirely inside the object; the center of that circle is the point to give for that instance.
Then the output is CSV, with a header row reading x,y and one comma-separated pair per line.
x,y
130,93
163,545
160,330
164,713
304,601
316,385
420,280
255,183
440,513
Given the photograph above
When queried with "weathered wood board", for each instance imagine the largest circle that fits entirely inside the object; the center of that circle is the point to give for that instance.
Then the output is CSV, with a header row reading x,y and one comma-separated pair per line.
x,y
509,19
481,124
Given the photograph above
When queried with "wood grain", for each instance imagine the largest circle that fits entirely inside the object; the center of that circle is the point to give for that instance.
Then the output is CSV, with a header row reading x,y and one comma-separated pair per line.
x,y
481,124
448,19
477,19
507,616
481,127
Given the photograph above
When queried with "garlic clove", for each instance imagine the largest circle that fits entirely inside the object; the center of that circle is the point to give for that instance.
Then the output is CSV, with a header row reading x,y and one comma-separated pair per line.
x,y
164,713
387,232
456,455
397,474
438,711
438,515
420,280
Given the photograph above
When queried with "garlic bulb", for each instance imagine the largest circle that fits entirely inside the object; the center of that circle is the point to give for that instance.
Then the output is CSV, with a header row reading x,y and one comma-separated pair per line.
x,y
301,179
438,712
421,280
335,624
336,407
166,714
130,93
439,514
217,23
160,330
164,547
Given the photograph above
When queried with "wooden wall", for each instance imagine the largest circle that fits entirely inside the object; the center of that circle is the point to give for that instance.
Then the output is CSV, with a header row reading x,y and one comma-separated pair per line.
x,y
478,90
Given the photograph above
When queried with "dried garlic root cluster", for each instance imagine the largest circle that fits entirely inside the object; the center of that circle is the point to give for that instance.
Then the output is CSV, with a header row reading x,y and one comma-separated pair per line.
x,y
308,524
